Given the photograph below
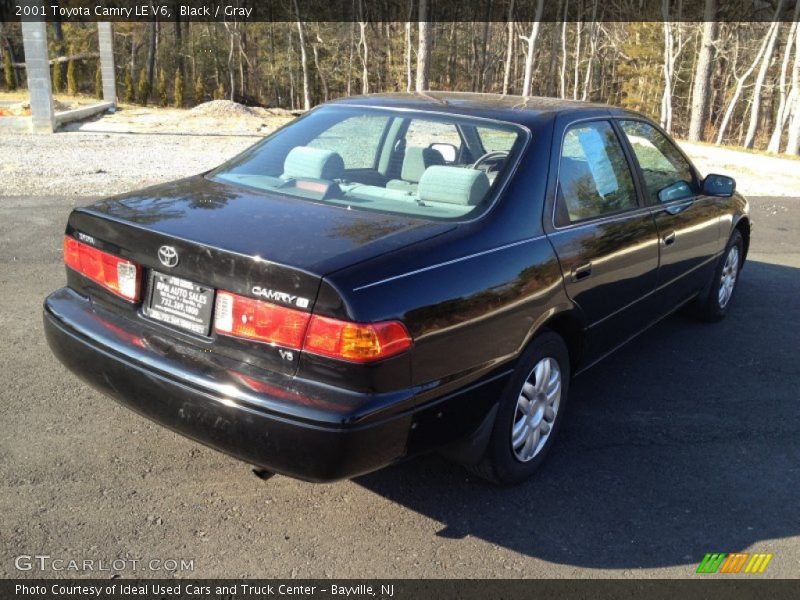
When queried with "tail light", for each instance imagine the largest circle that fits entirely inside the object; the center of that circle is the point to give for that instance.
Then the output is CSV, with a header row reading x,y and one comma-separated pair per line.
x,y
260,321
355,342
251,319
116,274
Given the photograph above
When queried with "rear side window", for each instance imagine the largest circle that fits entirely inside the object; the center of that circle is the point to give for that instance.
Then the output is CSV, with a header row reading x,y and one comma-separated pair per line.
x,y
495,140
355,139
663,166
594,178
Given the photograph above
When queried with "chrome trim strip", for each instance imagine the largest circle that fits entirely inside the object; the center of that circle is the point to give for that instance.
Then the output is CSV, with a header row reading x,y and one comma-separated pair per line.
x,y
449,262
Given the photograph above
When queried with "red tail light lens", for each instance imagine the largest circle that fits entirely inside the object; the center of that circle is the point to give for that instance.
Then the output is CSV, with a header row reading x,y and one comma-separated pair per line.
x,y
116,274
356,342
260,321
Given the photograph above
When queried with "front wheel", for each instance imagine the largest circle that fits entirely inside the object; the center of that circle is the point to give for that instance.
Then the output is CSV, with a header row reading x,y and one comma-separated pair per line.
x,y
714,306
530,413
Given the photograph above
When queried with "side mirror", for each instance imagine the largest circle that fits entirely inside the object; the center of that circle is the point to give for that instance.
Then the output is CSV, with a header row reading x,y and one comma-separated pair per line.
x,y
719,185
448,151
675,191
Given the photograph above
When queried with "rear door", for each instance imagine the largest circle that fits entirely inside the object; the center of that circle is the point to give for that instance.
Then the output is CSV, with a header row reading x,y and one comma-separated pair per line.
x,y
687,220
606,241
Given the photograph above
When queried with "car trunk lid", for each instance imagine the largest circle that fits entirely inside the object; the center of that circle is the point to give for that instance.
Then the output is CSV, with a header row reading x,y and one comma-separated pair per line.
x,y
251,243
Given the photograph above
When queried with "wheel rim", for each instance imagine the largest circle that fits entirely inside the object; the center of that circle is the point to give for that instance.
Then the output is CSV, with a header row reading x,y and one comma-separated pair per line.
x,y
537,408
727,280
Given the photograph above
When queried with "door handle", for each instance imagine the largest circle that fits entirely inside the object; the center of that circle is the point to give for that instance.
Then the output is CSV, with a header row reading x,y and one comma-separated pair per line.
x,y
582,272
668,239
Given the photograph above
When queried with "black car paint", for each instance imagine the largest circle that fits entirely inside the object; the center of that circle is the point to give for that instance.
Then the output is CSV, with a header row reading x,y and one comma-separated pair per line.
x,y
472,295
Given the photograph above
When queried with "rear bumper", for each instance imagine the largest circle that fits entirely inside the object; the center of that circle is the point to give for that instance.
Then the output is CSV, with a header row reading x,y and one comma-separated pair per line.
x,y
269,420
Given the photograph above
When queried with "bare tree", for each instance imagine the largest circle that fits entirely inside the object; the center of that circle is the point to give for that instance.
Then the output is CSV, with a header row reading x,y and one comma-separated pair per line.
x,y
740,81
578,36
322,79
151,53
562,90
672,49
755,106
509,47
409,78
782,115
531,41
424,48
363,49
702,74
587,81
304,59
793,143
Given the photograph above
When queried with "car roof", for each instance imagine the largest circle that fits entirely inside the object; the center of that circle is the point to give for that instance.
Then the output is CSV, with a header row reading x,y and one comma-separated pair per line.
x,y
505,107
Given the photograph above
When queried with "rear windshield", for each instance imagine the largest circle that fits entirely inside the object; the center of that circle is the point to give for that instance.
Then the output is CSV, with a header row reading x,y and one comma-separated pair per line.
x,y
407,163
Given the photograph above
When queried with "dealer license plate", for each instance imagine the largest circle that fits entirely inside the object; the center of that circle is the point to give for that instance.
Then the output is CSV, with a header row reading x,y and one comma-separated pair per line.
x,y
181,303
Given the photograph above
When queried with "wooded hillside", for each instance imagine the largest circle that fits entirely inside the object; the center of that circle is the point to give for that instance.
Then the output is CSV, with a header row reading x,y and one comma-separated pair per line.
x,y
731,83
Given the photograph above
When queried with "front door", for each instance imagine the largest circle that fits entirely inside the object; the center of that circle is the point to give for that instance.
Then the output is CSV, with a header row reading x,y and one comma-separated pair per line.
x,y
606,241
687,221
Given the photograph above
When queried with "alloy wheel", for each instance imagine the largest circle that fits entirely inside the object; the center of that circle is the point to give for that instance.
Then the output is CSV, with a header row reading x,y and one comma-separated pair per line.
x,y
537,407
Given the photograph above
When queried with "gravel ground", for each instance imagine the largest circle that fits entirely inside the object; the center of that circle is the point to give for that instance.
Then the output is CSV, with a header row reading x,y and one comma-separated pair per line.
x,y
98,164
144,146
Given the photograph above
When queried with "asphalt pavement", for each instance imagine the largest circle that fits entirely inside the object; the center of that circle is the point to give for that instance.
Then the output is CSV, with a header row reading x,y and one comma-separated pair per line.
x,y
685,442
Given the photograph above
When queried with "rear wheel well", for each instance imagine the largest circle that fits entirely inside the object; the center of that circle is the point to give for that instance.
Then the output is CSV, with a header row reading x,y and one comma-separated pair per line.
x,y
743,227
571,330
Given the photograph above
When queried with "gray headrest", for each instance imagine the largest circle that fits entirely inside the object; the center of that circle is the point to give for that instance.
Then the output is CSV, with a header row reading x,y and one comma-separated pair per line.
x,y
313,163
453,185
417,159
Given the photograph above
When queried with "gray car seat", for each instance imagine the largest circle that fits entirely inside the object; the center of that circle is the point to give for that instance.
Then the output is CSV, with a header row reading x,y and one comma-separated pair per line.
x,y
415,161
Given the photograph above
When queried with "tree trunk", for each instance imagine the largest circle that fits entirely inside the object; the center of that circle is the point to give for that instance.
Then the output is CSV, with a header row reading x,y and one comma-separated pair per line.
x,y
531,40
562,90
151,53
409,76
740,81
362,44
179,45
587,82
749,139
423,48
783,113
322,79
702,73
793,143
578,36
509,47
303,60
350,60
550,90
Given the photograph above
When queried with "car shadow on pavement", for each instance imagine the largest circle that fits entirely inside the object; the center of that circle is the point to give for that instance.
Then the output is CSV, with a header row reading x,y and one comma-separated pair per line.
x,y
687,441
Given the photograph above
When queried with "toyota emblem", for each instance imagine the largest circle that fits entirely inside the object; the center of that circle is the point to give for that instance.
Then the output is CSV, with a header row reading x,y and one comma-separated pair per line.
x,y
168,256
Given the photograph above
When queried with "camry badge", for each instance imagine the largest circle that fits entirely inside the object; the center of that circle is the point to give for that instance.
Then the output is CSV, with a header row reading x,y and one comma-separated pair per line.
x,y
168,256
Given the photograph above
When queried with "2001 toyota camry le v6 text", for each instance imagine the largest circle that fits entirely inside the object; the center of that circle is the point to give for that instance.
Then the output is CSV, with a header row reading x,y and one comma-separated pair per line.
x,y
393,274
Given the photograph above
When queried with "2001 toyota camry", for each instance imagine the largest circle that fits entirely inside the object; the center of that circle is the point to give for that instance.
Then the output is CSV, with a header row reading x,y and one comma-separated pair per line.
x,y
393,274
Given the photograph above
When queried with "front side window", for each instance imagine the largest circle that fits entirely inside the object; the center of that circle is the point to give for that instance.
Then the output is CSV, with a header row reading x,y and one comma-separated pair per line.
x,y
594,178
667,174
379,160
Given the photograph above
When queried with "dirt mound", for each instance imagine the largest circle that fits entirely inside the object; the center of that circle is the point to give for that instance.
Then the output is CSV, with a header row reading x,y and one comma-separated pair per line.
x,y
222,108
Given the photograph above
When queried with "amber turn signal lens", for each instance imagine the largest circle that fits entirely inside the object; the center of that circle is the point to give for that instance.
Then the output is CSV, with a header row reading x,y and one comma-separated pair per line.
x,y
355,342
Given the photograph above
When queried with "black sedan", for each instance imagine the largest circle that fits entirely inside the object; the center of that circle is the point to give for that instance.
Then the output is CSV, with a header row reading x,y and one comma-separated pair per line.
x,y
393,274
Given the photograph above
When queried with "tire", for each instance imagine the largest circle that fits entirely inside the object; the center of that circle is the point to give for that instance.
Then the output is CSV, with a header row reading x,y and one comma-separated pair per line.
x,y
714,304
505,462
